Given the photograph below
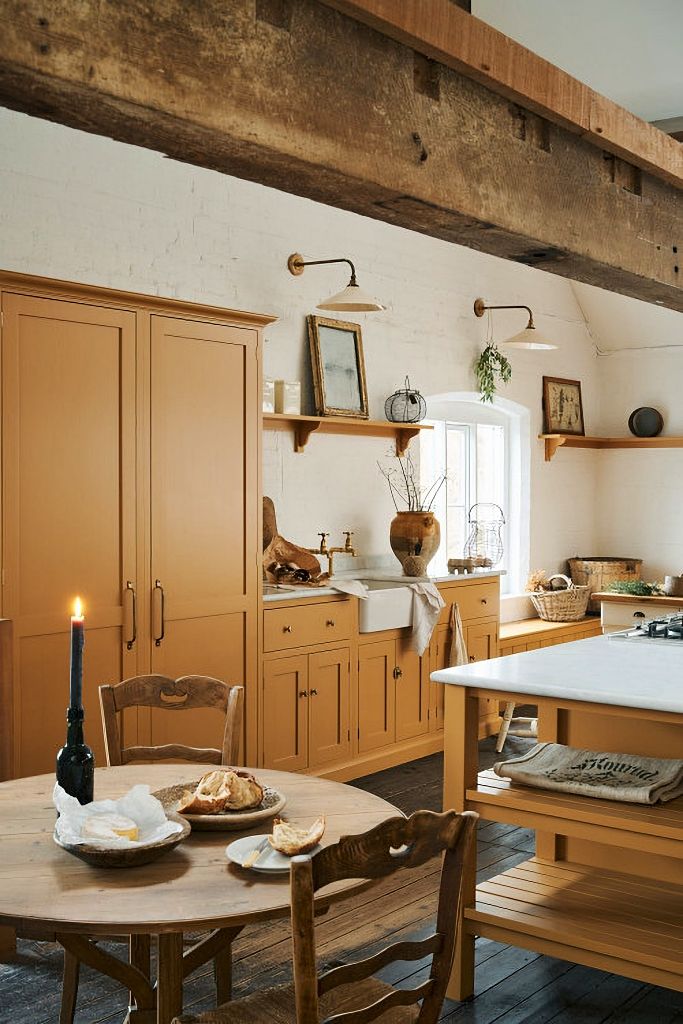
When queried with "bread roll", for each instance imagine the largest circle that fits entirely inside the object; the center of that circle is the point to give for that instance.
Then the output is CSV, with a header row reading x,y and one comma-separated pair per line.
x,y
225,789
291,841
110,826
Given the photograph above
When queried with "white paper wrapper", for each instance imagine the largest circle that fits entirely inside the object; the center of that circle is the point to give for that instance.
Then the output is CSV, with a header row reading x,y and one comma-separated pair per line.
x,y
138,804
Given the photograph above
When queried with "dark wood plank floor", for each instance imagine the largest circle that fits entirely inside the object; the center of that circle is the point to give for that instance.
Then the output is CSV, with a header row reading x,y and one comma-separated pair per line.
x,y
513,986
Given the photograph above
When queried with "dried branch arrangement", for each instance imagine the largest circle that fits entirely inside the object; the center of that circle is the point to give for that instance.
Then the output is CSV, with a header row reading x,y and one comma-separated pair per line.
x,y
405,488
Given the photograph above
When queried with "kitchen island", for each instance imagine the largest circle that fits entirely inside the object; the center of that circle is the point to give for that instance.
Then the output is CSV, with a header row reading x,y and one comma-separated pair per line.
x,y
605,887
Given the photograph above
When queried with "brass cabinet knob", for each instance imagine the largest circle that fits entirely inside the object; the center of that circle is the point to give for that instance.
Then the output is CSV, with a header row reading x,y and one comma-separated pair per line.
x,y
286,629
314,693
484,601
397,672
330,622
303,693
472,658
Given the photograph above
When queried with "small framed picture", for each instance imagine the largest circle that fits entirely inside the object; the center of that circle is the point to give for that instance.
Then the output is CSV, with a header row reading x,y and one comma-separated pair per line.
x,y
338,368
562,408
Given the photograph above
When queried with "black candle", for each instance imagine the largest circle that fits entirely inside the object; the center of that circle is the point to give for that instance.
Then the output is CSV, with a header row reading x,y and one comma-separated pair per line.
x,y
77,641
75,761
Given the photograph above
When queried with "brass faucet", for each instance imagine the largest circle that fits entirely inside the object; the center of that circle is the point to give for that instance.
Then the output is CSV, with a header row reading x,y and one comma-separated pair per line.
x,y
329,553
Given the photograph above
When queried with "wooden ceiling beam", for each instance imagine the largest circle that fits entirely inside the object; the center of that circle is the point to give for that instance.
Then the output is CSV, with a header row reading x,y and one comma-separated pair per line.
x,y
439,29
295,95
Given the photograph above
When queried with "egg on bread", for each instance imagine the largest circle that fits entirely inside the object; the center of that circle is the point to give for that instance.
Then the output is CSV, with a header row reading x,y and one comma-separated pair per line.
x,y
224,789
110,826
291,841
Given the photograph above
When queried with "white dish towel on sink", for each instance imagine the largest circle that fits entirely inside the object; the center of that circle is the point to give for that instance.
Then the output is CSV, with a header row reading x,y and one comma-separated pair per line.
x,y
427,604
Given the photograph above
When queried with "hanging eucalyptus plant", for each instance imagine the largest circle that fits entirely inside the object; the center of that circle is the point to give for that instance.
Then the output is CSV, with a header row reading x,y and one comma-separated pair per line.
x,y
490,365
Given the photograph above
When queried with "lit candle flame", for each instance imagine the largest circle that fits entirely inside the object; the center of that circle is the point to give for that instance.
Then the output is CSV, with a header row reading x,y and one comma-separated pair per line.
x,y
78,608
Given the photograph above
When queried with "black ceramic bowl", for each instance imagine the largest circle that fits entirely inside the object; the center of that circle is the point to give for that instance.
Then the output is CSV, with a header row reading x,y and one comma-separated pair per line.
x,y
645,422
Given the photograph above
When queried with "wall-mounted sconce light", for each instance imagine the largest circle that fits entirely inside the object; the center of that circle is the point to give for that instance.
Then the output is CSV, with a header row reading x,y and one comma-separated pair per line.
x,y
528,338
352,299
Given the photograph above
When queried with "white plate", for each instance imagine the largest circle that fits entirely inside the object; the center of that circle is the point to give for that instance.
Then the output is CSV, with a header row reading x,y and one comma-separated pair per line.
x,y
270,861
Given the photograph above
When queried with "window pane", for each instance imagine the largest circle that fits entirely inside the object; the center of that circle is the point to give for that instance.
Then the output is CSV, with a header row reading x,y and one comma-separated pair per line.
x,y
491,463
457,487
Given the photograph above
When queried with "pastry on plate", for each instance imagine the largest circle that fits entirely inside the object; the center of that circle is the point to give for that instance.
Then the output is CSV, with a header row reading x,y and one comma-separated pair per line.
x,y
224,789
290,840
110,826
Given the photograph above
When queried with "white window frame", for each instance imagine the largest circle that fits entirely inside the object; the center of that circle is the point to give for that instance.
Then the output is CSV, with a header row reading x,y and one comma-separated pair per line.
x,y
467,408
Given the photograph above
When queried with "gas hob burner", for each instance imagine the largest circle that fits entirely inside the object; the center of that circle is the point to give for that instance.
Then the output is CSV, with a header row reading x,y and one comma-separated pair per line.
x,y
668,628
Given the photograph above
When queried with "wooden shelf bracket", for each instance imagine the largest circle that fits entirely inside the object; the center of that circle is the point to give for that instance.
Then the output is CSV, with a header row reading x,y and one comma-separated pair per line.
x,y
552,443
303,426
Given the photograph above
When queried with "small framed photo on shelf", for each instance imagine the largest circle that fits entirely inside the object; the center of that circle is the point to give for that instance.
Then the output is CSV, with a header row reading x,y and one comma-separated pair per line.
x,y
338,368
562,408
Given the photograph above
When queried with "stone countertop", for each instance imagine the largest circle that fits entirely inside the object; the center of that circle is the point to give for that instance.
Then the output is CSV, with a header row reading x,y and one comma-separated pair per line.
x,y
288,593
600,670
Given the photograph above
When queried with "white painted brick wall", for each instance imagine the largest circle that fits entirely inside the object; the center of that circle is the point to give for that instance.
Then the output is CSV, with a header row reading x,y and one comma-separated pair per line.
x,y
84,208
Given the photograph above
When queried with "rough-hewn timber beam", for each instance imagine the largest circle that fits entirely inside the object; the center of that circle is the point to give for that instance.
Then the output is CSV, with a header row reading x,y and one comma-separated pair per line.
x,y
298,96
443,32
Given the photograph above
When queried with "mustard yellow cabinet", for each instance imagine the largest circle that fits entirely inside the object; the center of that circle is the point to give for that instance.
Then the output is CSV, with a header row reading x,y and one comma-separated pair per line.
x,y
306,713
130,440
393,694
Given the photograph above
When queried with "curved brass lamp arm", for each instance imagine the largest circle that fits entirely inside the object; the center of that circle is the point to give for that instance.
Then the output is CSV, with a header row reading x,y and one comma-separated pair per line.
x,y
480,308
296,264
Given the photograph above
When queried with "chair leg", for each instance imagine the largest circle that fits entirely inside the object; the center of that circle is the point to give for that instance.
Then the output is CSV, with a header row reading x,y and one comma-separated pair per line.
x,y
505,725
72,969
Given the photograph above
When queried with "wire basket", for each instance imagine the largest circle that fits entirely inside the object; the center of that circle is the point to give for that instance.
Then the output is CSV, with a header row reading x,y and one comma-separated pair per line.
x,y
486,520
561,605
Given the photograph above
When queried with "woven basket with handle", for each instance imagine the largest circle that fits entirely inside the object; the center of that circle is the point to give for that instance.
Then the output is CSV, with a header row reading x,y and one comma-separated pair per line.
x,y
561,605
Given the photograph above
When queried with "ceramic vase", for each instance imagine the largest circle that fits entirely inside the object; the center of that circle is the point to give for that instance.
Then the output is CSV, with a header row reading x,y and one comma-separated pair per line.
x,y
414,534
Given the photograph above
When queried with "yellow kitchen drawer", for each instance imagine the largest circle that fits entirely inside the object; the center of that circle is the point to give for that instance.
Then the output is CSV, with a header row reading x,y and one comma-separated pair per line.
x,y
306,625
475,601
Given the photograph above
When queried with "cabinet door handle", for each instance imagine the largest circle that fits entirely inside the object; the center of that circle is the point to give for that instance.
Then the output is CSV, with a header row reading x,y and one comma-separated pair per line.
x,y
130,589
330,622
398,672
162,634
314,693
484,600
286,629
303,693
472,658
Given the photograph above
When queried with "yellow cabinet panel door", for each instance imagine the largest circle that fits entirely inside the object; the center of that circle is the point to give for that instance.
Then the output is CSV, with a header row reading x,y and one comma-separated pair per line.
x,y
329,687
204,510
376,695
412,693
285,713
482,644
438,659
69,509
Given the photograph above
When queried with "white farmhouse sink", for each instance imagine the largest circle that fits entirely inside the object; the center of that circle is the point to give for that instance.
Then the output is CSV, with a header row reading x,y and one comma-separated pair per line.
x,y
388,606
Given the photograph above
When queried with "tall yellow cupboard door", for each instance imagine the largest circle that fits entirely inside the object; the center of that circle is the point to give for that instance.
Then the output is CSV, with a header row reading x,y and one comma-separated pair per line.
x,y
412,692
69,509
204,423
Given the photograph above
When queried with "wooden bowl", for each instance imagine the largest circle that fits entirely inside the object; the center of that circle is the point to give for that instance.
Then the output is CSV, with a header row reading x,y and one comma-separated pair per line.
x,y
132,857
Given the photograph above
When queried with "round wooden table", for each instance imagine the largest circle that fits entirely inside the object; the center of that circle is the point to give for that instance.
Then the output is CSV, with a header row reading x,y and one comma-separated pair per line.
x,y
44,890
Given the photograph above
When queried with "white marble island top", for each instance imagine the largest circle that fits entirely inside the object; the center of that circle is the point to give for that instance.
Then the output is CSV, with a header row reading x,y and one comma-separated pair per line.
x,y
600,670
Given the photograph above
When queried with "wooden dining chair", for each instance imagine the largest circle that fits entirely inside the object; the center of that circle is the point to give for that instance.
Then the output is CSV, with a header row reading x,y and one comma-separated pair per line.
x,y
395,844
173,695
155,691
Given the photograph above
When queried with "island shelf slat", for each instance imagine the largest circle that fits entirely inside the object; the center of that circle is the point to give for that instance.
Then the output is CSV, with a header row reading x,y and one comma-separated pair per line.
x,y
655,829
585,915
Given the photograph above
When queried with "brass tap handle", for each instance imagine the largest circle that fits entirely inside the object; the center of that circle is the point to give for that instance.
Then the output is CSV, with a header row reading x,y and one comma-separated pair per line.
x,y
323,543
348,534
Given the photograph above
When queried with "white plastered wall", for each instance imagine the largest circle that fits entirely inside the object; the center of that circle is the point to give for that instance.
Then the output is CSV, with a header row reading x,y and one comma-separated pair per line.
x,y
83,208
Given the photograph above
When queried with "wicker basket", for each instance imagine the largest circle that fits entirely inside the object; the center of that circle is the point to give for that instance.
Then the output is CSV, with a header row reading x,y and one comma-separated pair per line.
x,y
561,605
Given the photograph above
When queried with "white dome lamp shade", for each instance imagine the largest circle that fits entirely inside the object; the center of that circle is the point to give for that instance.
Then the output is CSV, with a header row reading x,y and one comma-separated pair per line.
x,y
352,299
529,338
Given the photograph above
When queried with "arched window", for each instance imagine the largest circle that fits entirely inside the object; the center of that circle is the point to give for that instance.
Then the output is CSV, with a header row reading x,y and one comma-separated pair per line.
x,y
484,451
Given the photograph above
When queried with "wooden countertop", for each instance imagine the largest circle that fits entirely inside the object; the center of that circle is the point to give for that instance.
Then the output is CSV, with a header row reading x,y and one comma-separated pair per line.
x,y
530,627
635,599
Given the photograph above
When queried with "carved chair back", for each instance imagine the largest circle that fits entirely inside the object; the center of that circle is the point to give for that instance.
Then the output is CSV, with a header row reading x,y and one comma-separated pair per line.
x,y
174,695
395,844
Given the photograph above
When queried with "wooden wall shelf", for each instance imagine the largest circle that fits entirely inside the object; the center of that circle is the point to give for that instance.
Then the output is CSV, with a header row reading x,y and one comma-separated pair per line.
x,y
555,441
303,426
